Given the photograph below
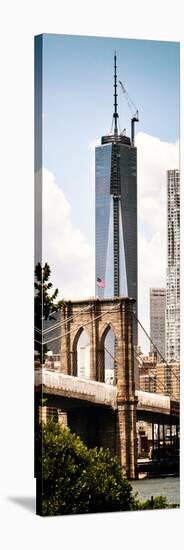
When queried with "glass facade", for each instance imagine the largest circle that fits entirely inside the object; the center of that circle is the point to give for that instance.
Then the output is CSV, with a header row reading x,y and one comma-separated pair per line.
x,y
128,200
116,219
104,220
116,224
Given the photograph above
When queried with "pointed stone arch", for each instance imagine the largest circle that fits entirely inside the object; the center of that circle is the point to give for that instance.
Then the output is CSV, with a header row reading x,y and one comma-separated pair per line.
x,y
103,352
104,331
97,316
75,342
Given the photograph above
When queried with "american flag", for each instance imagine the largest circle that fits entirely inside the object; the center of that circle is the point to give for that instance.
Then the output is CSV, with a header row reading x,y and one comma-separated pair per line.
x,y
100,282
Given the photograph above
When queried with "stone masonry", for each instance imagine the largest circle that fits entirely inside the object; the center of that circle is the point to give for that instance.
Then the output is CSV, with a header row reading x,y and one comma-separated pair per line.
x,y
97,316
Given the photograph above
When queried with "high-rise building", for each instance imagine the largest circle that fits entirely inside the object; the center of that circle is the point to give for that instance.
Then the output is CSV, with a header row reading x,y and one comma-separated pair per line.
x,y
84,361
157,320
116,212
173,267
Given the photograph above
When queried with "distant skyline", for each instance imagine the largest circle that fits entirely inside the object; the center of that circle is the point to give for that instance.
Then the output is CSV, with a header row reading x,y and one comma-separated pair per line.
x,y
77,111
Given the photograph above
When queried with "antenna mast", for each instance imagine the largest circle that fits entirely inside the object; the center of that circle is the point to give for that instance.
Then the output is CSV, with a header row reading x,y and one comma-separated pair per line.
x,y
115,115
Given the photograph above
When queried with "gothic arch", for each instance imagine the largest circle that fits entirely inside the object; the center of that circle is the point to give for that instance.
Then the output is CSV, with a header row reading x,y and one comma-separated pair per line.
x,y
102,353
76,337
97,317
104,331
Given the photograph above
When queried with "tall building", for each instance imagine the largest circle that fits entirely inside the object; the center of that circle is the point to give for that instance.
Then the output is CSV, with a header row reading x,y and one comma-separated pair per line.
x,y
157,320
116,211
173,267
84,361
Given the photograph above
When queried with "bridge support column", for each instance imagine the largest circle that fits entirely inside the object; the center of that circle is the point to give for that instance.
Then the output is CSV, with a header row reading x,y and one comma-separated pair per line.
x,y
154,443
107,430
177,435
66,356
163,435
126,437
158,435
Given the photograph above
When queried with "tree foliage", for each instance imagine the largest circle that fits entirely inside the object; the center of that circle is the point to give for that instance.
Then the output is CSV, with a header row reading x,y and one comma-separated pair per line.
x,y
76,479
153,503
45,304
73,479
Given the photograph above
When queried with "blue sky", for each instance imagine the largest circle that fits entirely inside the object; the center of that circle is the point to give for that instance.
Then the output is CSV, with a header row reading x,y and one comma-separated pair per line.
x,y
77,111
78,102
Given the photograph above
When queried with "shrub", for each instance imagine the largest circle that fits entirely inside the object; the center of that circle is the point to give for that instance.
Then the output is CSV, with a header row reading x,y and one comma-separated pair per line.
x,y
74,479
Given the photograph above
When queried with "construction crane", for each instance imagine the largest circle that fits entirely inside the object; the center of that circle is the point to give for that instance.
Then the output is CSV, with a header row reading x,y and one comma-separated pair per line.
x,y
133,109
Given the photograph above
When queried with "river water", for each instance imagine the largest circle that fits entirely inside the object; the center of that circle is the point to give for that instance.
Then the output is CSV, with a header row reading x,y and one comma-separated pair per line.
x,y
167,486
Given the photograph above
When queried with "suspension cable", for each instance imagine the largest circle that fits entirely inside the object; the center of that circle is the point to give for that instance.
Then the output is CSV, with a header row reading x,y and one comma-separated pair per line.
x,y
162,387
60,323
74,330
159,384
149,375
98,317
167,365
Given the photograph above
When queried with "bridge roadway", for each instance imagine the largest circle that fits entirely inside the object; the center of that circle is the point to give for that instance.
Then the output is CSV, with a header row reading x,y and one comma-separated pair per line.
x,y
149,406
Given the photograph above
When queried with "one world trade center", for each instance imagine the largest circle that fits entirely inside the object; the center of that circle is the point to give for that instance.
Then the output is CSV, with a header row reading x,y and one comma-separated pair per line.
x,y
116,212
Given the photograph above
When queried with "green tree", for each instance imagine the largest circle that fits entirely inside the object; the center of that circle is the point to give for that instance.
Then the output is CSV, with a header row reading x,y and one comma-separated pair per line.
x,y
45,304
154,503
74,479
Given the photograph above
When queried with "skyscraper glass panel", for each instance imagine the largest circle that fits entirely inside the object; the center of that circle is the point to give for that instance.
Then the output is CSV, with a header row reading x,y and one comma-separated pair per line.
x,y
103,220
116,212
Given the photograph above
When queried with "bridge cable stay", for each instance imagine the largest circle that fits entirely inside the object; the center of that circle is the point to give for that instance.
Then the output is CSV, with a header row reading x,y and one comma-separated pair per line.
x,y
74,330
159,384
85,324
57,325
163,360
49,329
99,316
162,387
112,356
115,360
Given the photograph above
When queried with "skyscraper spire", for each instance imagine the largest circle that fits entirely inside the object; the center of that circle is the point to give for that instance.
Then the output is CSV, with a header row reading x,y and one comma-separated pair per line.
x,y
115,115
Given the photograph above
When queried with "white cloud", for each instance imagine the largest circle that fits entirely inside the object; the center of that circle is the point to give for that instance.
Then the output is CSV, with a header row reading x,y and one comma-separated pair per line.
x,y
65,247
70,255
155,157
